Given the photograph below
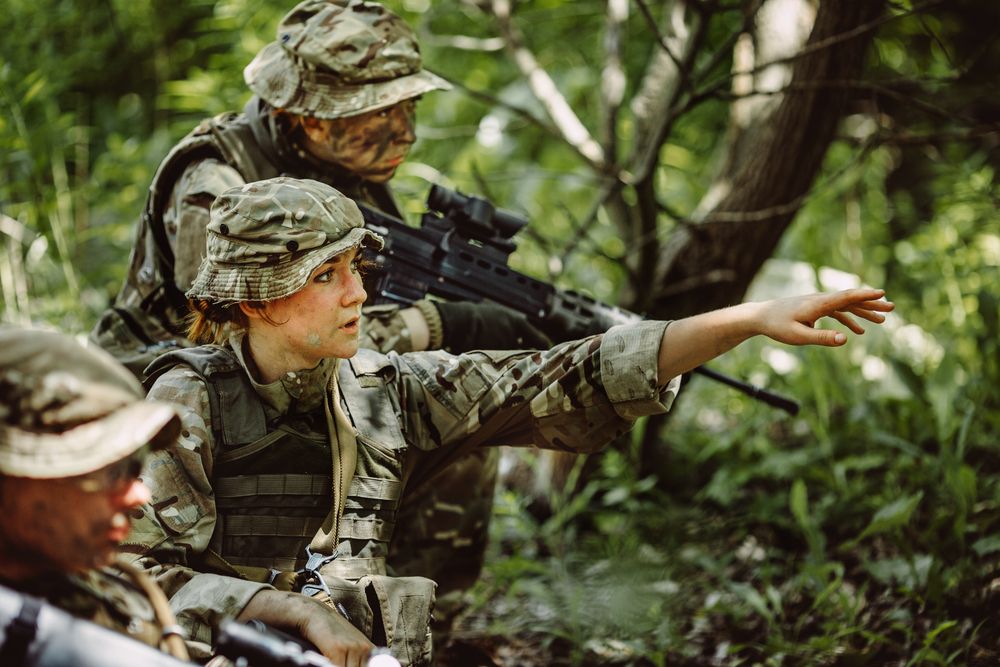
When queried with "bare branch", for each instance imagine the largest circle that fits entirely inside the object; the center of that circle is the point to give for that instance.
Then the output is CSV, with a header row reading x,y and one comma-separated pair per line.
x,y
770,170
819,45
872,86
465,42
661,40
726,48
934,138
661,88
612,76
489,98
541,84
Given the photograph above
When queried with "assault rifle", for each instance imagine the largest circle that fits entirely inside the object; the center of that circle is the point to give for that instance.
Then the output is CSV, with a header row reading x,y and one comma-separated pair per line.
x,y
34,633
460,253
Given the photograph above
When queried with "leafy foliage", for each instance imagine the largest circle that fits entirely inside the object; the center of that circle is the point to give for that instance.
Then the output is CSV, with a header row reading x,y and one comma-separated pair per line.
x,y
864,531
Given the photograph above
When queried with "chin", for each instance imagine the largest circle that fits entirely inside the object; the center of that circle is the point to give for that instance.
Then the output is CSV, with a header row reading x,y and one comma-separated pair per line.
x,y
381,176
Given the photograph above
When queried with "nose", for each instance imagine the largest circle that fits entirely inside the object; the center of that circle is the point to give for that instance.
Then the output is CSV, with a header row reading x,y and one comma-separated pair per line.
x,y
135,494
404,125
354,292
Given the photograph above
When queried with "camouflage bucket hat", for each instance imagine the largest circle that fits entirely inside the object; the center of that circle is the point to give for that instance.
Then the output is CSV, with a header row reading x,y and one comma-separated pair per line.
x,y
266,238
67,410
338,59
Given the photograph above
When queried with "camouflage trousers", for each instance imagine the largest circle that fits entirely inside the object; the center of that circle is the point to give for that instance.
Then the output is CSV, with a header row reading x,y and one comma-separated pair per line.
x,y
442,530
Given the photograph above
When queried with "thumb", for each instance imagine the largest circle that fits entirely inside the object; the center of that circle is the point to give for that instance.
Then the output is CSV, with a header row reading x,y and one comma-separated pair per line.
x,y
827,337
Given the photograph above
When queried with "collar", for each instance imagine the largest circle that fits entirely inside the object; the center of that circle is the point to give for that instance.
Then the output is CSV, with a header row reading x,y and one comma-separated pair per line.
x,y
296,392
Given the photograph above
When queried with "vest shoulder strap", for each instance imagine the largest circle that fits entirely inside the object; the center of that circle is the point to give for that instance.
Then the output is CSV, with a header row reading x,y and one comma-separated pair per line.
x,y
237,413
235,139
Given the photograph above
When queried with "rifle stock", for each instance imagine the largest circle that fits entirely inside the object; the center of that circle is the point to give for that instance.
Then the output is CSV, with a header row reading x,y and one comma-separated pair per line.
x,y
35,633
460,253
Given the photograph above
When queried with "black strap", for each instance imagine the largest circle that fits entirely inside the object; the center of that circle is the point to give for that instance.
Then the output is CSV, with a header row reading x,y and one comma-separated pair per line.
x,y
20,633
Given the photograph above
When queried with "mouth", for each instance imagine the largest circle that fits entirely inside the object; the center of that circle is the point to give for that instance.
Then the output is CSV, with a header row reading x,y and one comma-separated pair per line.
x,y
388,165
119,528
352,326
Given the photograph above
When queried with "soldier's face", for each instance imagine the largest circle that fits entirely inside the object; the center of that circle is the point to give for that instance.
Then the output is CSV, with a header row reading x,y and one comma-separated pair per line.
x,y
371,145
65,525
320,321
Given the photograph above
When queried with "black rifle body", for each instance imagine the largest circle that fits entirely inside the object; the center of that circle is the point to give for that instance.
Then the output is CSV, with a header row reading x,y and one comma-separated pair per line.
x,y
56,639
460,253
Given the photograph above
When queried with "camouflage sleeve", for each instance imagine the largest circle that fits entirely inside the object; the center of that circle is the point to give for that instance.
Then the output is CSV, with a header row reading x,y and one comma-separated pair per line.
x,y
186,215
175,528
385,331
575,397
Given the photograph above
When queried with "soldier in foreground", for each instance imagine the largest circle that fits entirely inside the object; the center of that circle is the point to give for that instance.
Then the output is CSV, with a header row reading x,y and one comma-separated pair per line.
x,y
74,432
283,387
334,100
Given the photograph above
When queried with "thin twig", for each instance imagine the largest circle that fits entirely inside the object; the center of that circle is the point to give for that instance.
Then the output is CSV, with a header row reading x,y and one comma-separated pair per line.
x,y
545,90
661,40
612,76
821,84
492,99
820,45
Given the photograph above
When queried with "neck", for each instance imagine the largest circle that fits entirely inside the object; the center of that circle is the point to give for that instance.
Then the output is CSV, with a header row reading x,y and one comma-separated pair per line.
x,y
17,565
272,360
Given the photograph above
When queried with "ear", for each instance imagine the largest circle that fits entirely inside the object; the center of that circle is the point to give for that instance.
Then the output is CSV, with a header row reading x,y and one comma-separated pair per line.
x,y
251,312
309,121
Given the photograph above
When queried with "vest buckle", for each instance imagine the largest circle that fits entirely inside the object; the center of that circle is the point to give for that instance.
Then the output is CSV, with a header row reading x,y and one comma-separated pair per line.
x,y
313,580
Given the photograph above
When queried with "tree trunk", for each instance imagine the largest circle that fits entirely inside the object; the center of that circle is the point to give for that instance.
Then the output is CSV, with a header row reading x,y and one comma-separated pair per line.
x,y
762,187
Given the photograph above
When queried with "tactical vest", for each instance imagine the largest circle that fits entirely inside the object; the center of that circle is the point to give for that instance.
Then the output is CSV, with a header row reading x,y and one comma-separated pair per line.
x,y
227,137
272,482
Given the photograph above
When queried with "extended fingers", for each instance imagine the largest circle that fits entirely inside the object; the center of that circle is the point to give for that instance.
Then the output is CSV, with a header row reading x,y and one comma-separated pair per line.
x,y
855,297
849,322
867,314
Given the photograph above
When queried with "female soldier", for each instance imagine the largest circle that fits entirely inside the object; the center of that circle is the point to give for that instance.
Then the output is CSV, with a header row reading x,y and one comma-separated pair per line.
x,y
291,461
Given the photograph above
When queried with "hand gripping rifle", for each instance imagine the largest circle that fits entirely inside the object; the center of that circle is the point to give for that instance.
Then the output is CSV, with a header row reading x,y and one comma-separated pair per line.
x,y
460,253
256,644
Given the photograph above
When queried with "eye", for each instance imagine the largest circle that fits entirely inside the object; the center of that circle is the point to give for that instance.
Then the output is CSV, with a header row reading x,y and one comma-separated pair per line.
x,y
324,277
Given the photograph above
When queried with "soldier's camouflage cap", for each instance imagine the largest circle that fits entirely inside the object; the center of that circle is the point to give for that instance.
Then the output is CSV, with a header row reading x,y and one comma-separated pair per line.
x,y
67,410
340,58
266,238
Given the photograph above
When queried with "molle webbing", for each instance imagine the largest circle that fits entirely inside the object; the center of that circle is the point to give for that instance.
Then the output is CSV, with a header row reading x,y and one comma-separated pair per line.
x,y
306,526
272,485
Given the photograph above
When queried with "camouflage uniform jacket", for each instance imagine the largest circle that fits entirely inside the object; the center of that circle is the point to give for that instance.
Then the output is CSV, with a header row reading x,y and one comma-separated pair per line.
x,y
228,150
104,597
575,397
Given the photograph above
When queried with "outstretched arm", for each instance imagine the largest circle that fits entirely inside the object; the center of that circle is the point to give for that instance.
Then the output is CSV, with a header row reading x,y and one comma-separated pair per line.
x,y
690,342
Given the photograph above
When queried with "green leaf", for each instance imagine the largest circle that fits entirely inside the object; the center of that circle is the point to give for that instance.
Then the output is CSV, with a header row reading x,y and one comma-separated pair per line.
x,y
894,515
799,503
987,545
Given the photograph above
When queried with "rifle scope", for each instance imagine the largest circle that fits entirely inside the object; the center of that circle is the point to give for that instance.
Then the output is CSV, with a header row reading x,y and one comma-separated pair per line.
x,y
485,219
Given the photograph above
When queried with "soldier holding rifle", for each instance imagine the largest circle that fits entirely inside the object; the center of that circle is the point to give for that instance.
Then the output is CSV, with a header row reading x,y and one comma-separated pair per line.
x,y
74,432
280,389
334,100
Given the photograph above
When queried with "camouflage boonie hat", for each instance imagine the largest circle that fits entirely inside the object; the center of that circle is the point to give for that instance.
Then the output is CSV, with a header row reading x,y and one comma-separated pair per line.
x,y
266,238
337,59
67,410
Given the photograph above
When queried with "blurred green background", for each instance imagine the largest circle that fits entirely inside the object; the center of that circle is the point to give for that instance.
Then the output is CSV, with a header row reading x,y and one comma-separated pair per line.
x,y
863,531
